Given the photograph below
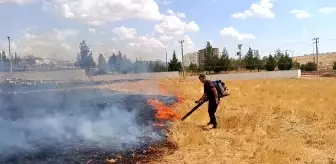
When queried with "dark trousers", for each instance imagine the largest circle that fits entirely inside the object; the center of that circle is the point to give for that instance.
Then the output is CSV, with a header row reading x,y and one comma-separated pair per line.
x,y
212,108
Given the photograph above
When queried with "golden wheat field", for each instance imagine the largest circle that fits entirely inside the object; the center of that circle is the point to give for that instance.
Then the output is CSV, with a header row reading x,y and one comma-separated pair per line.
x,y
262,121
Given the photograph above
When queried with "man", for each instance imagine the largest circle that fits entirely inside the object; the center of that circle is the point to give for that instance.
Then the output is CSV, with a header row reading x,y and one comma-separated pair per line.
x,y
210,93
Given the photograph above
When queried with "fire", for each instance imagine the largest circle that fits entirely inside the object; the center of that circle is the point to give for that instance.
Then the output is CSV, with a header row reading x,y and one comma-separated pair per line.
x,y
180,98
163,112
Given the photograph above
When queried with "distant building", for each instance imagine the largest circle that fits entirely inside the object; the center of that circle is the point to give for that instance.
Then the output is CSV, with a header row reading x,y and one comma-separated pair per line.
x,y
202,52
190,58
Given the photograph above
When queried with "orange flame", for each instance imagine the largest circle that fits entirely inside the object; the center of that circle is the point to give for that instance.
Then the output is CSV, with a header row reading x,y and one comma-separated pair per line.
x,y
180,98
163,112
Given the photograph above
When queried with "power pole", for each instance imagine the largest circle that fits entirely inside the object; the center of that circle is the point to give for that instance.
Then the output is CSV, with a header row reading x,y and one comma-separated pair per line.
x,y
316,40
239,54
291,52
166,62
10,57
182,41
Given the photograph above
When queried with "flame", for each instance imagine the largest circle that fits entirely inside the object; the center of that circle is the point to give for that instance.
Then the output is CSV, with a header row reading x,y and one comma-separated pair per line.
x,y
163,92
163,112
180,99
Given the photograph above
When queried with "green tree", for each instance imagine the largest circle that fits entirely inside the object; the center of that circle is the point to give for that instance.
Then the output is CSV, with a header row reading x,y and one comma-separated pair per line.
x,y
334,65
84,58
259,63
234,64
249,60
296,65
310,66
210,58
174,64
284,61
192,67
101,63
224,62
158,67
3,56
271,63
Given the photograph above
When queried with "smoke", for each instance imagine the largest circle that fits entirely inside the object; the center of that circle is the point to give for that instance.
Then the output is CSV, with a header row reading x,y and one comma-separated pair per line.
x,y
65,121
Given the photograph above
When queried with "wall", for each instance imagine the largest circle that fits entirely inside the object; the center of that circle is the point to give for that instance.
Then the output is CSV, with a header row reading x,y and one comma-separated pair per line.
x,y
255,75
79,74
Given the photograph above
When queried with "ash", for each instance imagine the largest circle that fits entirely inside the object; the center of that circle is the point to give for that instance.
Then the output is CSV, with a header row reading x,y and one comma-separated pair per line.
x,y
72,126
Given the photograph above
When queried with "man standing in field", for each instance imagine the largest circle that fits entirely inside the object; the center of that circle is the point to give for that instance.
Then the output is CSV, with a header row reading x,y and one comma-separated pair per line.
x,y
210,94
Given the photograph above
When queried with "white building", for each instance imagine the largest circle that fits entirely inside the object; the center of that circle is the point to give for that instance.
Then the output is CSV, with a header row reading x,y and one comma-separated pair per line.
x,y
190,58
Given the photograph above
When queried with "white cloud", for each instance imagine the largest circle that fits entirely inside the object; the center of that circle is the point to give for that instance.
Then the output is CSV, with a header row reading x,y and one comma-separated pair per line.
x,y
172,25
138,46
99,12
262,9
19,2
327,10
166,38
231,32
125,33
51,44
92,30
173,28
300,14
190,44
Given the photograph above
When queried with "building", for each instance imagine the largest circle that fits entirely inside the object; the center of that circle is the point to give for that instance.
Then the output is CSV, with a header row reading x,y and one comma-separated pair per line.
x,y
190,58
202,52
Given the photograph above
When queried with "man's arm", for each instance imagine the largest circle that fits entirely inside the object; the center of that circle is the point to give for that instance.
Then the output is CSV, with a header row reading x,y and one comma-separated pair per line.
x,y
214,91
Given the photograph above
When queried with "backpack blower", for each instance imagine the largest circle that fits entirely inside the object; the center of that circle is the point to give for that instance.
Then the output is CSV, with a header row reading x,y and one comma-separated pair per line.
x,y
222,91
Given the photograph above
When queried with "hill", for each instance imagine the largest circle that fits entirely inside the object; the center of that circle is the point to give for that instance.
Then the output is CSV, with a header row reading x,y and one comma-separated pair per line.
x,y
325,59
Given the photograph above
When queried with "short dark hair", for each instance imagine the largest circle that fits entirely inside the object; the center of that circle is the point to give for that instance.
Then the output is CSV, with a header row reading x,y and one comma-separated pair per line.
x,y
202,76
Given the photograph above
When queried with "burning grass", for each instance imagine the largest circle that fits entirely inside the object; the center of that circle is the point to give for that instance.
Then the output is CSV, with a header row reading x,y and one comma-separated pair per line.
x,y
262,121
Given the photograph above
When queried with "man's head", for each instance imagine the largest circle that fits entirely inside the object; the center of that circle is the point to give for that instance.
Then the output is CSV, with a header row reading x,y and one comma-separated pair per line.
x,y
202,78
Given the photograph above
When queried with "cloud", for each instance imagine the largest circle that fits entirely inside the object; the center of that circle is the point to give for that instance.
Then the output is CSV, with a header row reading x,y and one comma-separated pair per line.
x,y
125,33
97,13
92,30
138,46
172,28
19,2
233,33
51,44
172,25
327,10
300,14
262,9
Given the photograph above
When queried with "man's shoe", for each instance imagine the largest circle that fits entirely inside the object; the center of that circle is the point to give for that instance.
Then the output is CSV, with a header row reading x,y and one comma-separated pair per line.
x,y
214,126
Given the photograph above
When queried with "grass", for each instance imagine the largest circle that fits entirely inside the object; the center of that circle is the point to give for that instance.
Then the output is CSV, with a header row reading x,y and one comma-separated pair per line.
x,y
262,121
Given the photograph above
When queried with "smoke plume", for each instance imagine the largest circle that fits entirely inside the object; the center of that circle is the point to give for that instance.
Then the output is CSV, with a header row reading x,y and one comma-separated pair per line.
x,y
66,121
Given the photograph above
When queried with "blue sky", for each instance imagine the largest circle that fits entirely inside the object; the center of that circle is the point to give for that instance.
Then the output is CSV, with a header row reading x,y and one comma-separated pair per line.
x,y
149,28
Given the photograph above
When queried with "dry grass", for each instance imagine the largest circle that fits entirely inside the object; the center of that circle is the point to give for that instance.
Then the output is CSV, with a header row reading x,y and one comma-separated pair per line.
x,y
326,60
262,121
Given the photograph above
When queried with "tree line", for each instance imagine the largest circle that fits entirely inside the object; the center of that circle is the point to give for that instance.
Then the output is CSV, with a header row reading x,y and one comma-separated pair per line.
x,y
214,62
117,62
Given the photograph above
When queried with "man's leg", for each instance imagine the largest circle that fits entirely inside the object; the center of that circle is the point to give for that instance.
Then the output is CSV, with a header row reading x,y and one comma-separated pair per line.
x,y
212,110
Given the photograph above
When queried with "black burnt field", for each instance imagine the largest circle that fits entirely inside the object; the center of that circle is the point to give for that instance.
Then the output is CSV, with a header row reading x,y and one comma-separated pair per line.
x,y
73,125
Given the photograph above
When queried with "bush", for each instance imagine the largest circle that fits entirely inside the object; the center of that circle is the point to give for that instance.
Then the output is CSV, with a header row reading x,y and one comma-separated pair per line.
x,y
310,66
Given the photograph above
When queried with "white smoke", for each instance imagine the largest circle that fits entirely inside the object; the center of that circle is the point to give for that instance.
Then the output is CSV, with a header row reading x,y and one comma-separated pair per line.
x,y
28,123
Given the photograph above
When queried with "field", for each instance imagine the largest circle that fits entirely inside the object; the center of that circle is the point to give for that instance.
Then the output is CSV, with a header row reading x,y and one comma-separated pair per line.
x,y
262,121
325,60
